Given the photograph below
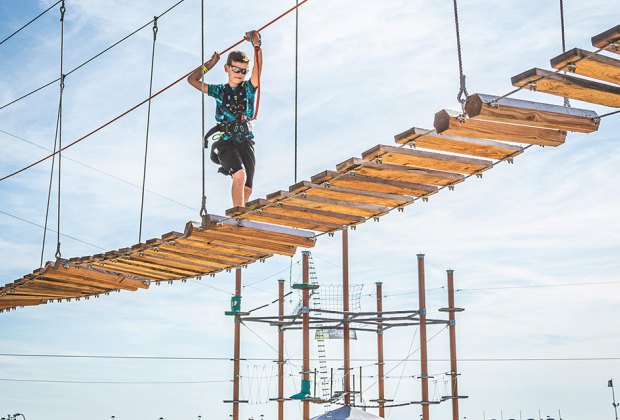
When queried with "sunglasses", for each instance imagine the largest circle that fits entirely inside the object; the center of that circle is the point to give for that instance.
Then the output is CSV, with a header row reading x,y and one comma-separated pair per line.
x,y
236,69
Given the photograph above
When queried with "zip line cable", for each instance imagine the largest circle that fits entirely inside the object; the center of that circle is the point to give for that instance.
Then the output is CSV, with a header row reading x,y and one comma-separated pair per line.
x,y
92,58
145,100
37,17
148,126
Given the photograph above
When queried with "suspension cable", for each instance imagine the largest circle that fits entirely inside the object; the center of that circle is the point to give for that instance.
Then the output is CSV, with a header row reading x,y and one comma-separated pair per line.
x,y
203,206
566,100
37,17
63,9
296,80
148,125
159,92
90,59
462,95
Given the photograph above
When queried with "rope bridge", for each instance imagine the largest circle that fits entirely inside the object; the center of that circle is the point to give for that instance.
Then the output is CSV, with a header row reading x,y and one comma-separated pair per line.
x,y
491,129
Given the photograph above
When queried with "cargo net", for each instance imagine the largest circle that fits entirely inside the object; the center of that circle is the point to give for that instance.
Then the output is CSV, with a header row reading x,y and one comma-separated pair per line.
x,y
329,298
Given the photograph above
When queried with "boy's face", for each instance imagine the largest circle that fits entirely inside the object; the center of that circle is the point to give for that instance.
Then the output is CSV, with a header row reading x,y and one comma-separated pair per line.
x,y
236,72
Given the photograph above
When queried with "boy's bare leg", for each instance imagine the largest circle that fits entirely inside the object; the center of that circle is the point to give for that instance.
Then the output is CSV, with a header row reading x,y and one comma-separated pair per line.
x,y
247,192
238,186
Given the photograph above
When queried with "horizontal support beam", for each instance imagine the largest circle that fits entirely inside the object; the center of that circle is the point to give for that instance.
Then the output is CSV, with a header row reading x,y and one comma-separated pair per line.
x,y
569,87
608,40
535,114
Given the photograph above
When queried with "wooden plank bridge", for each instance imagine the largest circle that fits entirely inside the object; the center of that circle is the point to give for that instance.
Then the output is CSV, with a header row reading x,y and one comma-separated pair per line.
x,y
385,178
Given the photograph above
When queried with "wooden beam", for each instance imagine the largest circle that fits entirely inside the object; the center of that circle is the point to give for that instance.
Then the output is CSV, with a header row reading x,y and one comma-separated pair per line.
x,y
246,228
57,283
369,183
7,303
348,194
399,172
79,280
254,244
94,275
535,114
292,221
206,255
180,261
280,208
427,160
569,87
232,249
610,40
586,63
448,122
136,269
429,139
328,204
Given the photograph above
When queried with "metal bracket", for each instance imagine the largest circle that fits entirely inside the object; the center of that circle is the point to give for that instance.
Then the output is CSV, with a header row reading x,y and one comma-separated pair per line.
x,y
531,86
571,67
412,144
451,187
510,160
494,104
400,209
614,46
596,120
461,118
425,199
375,218
378,160
303,195
478,174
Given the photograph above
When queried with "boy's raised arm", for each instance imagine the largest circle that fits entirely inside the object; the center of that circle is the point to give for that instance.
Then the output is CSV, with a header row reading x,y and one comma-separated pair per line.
x,y
254,38
195,77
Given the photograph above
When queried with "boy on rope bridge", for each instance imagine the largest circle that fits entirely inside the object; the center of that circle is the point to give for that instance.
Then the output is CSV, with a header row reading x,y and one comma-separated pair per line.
x,y
234,145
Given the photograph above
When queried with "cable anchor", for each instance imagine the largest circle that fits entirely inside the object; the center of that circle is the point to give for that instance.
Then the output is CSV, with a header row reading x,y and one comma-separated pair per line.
x,y
155,28
63,9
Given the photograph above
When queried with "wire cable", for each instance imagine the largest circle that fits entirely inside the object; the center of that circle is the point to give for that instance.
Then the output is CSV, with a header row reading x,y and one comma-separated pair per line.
x,y
203,204
296,81
566,100
90,59
148,125
63,9
462,95
37,17
159,92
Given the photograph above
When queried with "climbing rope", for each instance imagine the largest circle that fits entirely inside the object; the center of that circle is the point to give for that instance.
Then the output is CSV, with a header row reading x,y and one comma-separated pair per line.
x,y
37,17
159,92
148,125
566,101
63,9
462,95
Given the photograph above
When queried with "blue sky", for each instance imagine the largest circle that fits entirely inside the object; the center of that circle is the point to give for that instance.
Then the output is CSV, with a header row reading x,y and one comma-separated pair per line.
x,y
534,245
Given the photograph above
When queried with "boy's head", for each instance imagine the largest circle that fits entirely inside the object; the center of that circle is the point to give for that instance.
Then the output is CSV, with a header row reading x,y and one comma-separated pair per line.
x,y
236,66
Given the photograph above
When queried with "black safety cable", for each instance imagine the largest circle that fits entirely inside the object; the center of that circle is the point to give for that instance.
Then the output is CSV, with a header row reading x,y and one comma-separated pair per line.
x,y
49,188
148,126
41,14
203,141
90,59
63,9
296,79
566,101
462,95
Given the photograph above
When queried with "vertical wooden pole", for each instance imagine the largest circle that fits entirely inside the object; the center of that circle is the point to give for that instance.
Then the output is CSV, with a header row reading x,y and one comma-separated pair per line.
x,y
306,331
423,348
380,363
281,351
237,350
453,367
345,308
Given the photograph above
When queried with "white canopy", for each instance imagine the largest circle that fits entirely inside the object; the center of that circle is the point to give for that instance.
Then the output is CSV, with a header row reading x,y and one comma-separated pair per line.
x,y
347,413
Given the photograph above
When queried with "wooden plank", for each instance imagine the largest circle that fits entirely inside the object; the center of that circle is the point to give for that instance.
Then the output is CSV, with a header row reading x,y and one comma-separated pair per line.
x,y
265,232
369,183
218,257
426,139
292,221
138,262
327,204
78,280
14,303
30,292
400,173
608,40
281,208
586,63
569,87
535,114
348,194
426,160
121,267
52,282
447,122
254,244
231,249
96,275
184,261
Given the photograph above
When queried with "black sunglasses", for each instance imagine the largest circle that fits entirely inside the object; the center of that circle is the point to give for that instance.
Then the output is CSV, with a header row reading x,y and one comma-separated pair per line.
x,y
236,69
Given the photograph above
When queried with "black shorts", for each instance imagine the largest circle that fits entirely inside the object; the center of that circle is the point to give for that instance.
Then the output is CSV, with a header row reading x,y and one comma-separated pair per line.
x,y
235,156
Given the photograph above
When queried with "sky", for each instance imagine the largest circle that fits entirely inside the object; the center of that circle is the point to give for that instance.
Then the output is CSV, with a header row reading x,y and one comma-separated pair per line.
x,y
535,245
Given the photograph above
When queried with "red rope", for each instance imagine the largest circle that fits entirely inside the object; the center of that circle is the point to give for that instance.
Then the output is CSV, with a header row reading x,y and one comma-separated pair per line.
x,y
150,97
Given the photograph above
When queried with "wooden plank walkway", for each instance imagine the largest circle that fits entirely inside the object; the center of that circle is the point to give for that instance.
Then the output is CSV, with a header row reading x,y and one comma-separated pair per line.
x,y
385,178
